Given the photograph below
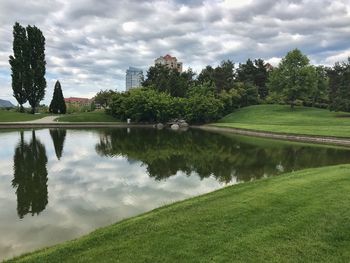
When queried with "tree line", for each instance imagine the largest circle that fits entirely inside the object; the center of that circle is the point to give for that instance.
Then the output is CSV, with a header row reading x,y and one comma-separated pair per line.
x,y
217,91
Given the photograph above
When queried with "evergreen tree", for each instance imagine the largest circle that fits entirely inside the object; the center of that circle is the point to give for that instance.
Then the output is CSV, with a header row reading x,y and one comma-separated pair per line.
x,y
254,73
20,64
57,104
339,87
36,91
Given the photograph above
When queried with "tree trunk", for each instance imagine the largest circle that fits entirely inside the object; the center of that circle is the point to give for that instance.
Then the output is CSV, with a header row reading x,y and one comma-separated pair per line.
x,y
33,110
292,105
21,108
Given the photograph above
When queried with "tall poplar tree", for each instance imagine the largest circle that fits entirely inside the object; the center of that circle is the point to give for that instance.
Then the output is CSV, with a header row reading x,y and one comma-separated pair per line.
x,y
36,91
57,104
28,65
19,63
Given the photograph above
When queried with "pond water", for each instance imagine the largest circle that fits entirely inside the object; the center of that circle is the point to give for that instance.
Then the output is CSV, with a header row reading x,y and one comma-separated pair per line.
x,y
57,184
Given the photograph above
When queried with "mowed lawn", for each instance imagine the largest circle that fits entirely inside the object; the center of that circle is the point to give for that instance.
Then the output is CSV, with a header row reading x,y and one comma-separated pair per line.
x,y
95,116
282,119
12,116
297,217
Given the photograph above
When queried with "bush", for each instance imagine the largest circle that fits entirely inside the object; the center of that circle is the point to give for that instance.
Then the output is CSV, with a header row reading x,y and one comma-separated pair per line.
x,y
146,105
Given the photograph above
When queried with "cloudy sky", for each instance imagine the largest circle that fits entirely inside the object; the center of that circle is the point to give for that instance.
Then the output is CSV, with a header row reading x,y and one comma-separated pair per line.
x,y
90,43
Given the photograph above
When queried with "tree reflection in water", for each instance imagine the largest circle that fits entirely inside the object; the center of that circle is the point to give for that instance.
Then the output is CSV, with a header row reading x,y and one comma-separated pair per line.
x,y
58,137
226,157
30,176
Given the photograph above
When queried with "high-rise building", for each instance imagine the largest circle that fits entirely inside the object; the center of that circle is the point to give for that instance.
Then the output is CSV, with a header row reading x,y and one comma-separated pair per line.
x,y
170,62
133,78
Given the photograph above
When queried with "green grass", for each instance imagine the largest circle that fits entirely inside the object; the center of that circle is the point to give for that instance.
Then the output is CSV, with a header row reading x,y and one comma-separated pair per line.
x,y
281,119
12,116
95,116
298,217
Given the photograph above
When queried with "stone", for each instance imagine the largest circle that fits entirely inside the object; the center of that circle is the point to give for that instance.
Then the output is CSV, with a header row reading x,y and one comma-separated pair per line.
x,y
175,126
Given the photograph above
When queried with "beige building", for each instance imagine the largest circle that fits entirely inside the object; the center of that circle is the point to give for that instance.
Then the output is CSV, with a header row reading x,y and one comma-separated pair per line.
x,y
170,62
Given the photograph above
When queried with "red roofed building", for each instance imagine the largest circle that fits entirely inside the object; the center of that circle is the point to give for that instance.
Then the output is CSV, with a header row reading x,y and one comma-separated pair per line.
x,y
73,101
170,62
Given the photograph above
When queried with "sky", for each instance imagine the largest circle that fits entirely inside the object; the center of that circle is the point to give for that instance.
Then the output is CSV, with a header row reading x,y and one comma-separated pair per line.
x,y
91,43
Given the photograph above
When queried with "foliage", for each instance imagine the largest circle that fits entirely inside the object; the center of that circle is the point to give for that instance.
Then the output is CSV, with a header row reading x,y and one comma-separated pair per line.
x,y
339,86
294,78
36,91
28,65
254,74
58,104
221,77
104,98
170,81
148,105
20,64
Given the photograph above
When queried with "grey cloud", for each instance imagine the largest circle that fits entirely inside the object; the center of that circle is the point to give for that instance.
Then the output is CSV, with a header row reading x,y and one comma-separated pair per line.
x,y
90,43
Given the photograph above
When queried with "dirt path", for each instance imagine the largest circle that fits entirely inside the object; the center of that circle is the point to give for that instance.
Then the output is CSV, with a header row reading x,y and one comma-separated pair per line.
x,y
48,119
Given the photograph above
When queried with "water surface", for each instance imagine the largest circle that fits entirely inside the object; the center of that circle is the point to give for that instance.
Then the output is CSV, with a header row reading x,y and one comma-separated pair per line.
x,y
58,184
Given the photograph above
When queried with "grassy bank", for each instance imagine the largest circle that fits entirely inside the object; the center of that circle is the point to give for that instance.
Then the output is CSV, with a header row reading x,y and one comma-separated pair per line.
x,y
281,119
95,116
299,217
12,116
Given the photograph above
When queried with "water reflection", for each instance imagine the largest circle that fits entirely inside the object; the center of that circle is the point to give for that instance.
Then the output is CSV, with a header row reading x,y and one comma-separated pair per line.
x,y
224,157
100,176
30,176
58,137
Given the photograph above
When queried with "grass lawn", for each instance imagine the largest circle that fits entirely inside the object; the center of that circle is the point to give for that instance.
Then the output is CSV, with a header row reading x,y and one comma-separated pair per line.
x,y
281,119
12,116
95,116
298,217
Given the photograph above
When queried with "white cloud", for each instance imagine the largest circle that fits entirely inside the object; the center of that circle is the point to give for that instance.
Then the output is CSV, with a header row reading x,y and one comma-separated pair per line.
x,y
90,43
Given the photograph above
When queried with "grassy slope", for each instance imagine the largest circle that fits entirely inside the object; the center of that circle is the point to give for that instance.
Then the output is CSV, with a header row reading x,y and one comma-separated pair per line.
x,y
95,116
298,217
280,118
11,116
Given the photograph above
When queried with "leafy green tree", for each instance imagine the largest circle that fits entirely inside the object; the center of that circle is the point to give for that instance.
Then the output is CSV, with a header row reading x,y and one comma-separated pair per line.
x,y
295,78
202,109
36,91
339,86
164,79
58,104
104,98
319,95
20,65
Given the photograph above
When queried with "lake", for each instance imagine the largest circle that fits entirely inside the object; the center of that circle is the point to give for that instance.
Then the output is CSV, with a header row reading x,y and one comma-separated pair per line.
x,y
57,184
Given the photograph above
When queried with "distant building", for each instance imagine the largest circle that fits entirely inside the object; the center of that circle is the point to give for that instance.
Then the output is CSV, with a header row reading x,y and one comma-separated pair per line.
x,y
73,101
170,62
133,78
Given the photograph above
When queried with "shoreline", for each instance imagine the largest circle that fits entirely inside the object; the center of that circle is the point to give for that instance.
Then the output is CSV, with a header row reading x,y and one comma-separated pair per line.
x,y
72,125
280,136
326,140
